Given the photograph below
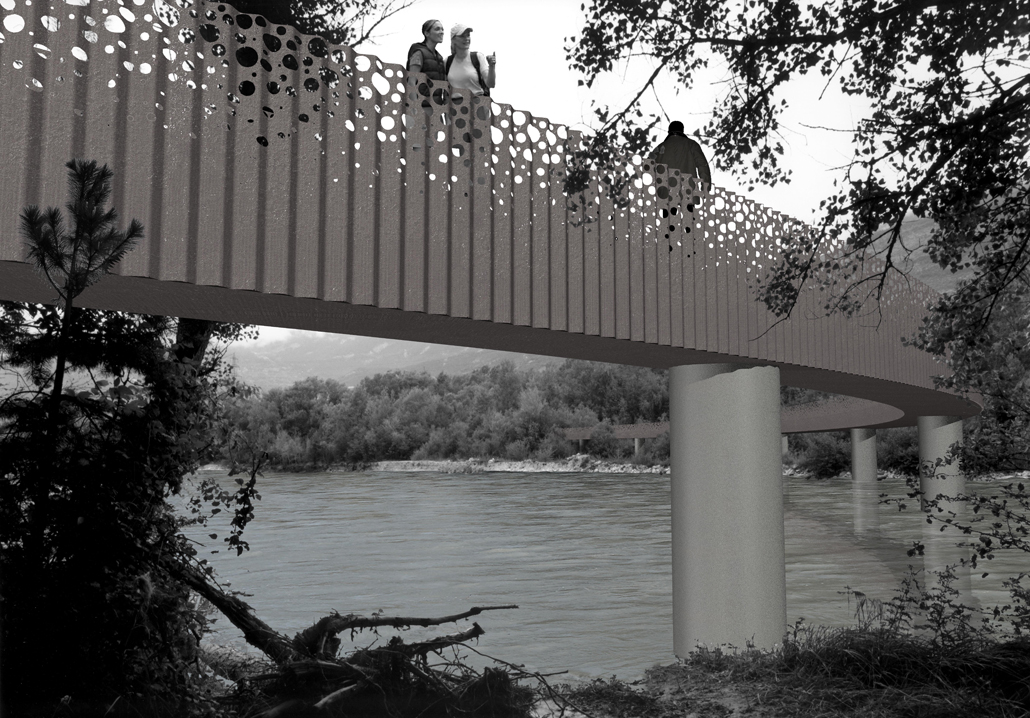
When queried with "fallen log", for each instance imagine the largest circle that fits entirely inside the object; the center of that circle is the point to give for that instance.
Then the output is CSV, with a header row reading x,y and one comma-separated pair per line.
x,y
257,633
309,676
321,639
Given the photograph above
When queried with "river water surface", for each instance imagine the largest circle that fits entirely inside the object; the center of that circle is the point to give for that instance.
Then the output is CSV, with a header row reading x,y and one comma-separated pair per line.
x,y
585,556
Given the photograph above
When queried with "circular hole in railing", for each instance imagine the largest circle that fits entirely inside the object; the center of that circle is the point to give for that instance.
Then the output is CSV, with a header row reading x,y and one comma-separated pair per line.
x,y
113,23
14,23
50,23
380,83
362,63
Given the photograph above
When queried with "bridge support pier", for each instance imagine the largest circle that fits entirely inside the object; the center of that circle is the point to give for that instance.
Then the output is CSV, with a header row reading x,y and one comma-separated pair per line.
x,y
728,575
936,435
863,456
865,495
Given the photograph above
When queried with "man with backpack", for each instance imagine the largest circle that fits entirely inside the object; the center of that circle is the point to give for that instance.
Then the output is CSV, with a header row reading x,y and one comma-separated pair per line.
x,y
465,69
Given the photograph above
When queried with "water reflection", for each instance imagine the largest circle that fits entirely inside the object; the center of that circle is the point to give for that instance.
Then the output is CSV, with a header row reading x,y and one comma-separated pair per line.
x,y
865,502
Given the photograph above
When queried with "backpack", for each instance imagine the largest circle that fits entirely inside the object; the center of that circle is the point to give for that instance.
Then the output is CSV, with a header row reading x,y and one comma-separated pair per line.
x,y
475,64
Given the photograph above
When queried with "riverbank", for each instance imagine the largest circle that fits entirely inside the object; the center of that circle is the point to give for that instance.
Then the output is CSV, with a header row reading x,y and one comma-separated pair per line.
x,y
578,463
844,673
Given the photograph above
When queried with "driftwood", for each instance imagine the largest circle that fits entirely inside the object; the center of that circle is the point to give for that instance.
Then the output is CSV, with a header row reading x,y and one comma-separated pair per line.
x,y
258,633
310,677
320,639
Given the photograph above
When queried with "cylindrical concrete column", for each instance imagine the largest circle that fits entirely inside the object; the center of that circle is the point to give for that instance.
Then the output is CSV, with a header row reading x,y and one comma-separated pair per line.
x,y
863,456
865,497
637,445
729,581
937,435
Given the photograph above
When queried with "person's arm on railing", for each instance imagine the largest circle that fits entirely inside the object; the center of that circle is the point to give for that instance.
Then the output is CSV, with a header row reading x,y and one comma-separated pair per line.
x,y
491,75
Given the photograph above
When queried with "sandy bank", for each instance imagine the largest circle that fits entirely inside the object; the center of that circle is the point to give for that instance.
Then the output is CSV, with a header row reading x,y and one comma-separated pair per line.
x,y
579,463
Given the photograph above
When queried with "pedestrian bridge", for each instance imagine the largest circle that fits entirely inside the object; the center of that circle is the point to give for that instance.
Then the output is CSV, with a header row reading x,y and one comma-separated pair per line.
x,y
285,182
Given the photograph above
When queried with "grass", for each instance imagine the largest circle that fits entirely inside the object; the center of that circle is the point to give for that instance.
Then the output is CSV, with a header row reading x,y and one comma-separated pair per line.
x,y
841,673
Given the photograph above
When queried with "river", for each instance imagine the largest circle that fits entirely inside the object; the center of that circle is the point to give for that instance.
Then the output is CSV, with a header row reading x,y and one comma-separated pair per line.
x,y
585,556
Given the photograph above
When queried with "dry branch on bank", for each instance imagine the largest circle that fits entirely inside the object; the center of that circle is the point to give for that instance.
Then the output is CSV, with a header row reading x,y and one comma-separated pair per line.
x,y
395,679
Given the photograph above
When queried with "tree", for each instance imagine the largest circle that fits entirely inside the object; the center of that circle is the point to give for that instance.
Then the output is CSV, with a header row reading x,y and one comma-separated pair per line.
x,y
345,22
946,137
71,262
89,545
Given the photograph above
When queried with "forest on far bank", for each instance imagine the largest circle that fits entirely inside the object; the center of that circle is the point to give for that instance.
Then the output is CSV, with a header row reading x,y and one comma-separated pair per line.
x,y
496,412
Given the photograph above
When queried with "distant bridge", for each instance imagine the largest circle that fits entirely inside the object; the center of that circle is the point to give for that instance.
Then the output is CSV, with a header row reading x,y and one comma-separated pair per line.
x,y
285,182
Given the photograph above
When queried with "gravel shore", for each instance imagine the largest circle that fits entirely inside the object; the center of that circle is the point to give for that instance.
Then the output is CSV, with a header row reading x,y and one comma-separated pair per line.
x,y
579,463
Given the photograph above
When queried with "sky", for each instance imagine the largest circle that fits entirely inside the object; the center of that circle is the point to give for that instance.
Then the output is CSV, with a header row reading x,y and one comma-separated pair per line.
x,y
529,39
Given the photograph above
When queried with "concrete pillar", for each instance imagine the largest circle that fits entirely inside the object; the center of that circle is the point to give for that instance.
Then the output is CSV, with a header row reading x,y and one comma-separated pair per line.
x,y
728,576
865,497
784,456
636,446
937,434
863,456
581,442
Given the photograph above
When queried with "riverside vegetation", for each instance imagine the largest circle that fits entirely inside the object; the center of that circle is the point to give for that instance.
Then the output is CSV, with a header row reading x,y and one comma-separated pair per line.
x,y
500,412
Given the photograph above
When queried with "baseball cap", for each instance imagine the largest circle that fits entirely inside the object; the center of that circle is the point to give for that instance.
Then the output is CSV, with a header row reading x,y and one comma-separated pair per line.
x,y
460,29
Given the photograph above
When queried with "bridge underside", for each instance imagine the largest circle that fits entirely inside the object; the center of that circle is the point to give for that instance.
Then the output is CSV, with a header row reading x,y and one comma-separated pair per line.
x,y
874,403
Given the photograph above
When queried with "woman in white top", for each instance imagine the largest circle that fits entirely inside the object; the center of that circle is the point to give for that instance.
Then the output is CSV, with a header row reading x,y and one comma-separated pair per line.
x,y
467,70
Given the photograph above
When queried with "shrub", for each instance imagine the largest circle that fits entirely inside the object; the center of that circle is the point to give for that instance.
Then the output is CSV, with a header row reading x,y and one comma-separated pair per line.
x,y
603,443
898,450
828,455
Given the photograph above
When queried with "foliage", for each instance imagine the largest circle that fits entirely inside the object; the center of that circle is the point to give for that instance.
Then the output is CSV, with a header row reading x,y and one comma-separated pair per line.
x,y
986,341
945,135
897,450
344,22
827,455
87,537
603,443
71,262
494,411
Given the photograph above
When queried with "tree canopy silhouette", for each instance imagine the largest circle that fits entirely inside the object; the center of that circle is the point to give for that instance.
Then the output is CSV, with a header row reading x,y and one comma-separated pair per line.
x,y
946,135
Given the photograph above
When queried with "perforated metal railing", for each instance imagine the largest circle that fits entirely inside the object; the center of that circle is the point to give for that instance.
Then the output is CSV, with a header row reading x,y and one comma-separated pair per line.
x,y
261,160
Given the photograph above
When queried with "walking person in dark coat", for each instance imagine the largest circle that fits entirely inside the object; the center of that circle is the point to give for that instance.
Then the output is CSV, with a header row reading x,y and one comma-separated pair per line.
x,y
680,152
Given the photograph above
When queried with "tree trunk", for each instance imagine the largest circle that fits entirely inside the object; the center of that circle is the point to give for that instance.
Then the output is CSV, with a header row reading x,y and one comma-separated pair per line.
x,y
192,337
